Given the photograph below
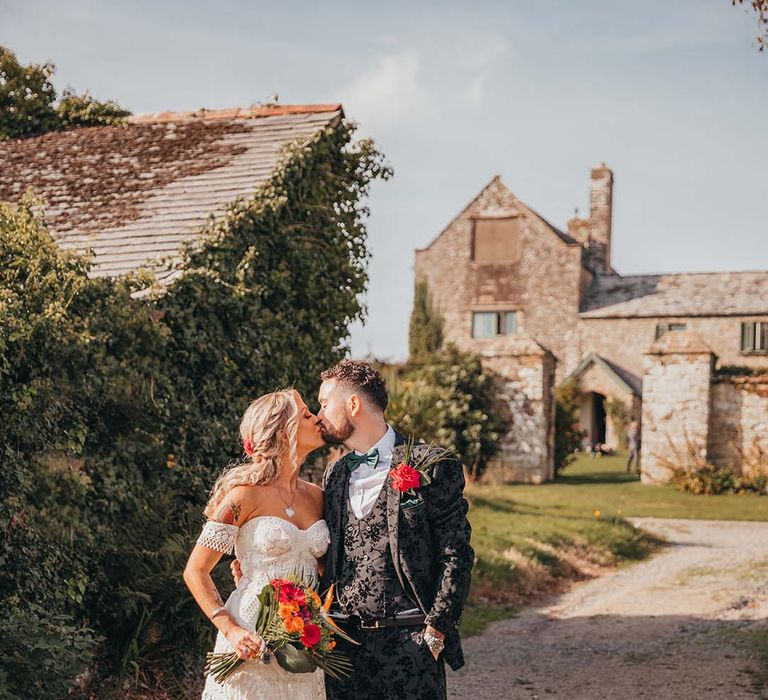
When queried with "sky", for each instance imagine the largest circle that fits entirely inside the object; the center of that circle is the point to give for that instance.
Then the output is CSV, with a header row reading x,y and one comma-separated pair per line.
x,y
673,97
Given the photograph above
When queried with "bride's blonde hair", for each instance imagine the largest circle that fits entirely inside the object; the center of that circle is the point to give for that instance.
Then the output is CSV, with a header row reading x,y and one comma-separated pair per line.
x,y
269,430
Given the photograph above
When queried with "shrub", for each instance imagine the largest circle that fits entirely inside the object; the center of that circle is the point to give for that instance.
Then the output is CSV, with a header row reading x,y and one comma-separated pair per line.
x,y
450,399
568,434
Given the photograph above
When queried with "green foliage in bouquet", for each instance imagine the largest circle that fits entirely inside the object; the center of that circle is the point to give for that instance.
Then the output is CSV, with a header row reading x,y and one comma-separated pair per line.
x,y
288,611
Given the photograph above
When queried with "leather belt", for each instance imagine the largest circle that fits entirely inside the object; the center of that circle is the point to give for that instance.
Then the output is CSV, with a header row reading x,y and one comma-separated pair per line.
x,y
403,619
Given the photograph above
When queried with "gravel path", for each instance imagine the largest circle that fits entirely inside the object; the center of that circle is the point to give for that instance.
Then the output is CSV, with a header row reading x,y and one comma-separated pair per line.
x,y
680,625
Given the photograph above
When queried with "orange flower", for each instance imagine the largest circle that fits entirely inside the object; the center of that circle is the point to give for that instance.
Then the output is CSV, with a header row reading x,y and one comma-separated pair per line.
x,y
332,644
315,598
288,609
293,624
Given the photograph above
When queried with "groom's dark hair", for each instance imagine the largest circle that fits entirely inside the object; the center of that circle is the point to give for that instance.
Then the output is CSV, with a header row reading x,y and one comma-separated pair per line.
x,y
360,376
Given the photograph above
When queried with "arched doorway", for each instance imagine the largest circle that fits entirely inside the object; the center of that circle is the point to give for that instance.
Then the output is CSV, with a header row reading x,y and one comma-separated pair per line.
x,y
598,427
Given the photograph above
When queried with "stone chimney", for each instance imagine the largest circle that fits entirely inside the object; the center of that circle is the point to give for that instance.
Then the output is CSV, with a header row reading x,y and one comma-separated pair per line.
x,y
600,211
578,228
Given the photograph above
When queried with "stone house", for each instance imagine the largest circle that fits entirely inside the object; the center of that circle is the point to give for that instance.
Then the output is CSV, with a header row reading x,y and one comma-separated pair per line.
x,y
542,306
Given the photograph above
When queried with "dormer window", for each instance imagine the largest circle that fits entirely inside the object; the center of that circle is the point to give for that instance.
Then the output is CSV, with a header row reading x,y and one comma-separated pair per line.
x,y
496,241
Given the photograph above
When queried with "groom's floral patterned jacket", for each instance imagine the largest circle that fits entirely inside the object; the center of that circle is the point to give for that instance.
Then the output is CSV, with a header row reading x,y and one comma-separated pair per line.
x,y
429,541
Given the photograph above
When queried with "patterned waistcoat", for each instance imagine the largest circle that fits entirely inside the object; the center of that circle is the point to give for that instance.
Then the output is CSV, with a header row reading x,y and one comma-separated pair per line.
x,y
368,584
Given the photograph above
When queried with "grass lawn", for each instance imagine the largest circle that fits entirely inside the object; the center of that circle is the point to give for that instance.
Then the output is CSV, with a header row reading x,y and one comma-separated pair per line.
x,y
532,540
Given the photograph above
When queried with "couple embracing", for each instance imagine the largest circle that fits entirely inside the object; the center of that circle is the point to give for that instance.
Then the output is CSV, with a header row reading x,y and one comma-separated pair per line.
x,y
400,563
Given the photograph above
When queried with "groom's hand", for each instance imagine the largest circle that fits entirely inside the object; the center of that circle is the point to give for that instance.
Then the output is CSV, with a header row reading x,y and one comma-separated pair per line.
x,y
433,632
237,572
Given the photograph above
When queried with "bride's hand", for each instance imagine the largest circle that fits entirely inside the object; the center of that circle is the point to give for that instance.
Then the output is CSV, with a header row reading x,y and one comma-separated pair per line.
x,y
247,645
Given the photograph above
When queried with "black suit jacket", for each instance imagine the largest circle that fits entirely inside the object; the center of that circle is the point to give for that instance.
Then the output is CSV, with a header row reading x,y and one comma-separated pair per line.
x,y
429,541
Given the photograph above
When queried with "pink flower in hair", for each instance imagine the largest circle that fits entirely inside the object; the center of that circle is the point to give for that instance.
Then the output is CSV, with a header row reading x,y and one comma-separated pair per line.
x,y
248,446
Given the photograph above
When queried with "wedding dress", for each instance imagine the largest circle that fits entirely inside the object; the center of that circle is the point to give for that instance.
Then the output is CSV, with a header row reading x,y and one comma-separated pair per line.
x,y
267,547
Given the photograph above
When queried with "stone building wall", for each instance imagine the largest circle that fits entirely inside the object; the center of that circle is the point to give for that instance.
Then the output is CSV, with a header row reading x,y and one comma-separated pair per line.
x,y
739,423
625,340
543,286
528,372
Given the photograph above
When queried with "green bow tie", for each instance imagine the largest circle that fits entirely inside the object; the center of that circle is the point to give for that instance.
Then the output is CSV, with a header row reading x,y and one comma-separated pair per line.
x,y
370,458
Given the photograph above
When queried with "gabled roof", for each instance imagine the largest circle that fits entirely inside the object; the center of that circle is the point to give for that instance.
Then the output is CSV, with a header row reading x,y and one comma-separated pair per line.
x,y
626,380
134,194
497,182
687,294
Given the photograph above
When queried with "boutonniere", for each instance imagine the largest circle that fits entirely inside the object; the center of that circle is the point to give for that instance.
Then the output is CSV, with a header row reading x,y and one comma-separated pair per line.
x,y
413,473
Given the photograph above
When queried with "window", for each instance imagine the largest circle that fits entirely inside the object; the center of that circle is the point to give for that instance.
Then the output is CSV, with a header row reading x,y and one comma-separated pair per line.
x,y
496,240
754,336
488,324
662,328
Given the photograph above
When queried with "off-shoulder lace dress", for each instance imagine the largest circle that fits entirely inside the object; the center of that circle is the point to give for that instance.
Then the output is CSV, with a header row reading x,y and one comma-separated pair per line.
x,y
267,547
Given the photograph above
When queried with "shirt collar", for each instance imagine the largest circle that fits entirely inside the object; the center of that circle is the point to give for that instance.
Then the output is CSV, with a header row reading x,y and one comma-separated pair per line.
x,y
385,445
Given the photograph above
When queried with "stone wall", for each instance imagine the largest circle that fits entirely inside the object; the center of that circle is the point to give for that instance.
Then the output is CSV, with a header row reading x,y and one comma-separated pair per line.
x,y
676,404
528,370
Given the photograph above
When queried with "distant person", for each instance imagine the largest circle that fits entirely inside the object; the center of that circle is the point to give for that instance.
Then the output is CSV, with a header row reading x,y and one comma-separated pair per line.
x,y
633,438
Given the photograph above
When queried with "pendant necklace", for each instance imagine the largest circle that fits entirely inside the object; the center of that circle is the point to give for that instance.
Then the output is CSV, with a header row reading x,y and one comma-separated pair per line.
x,y
289,511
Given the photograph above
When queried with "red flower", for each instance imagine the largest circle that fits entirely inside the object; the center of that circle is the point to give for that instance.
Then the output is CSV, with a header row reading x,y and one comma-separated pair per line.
x,y
310,636
404,477
289,591
248,447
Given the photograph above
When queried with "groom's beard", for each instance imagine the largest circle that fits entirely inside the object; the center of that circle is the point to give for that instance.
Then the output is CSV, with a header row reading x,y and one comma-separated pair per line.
x,y
337,436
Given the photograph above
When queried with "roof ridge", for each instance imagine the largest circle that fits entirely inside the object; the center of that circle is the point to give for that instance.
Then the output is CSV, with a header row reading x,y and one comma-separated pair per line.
x,y
252,112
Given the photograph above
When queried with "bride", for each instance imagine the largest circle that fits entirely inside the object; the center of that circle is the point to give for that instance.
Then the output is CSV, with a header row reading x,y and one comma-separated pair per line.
x,y
273,520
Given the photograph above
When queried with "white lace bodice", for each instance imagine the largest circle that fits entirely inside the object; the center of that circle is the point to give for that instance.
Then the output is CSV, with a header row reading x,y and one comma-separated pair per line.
x,y
267,547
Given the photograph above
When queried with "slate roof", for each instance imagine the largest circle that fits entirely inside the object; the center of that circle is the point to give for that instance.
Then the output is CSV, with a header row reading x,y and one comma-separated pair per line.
x,y
496,181
134,194
688,294
630,382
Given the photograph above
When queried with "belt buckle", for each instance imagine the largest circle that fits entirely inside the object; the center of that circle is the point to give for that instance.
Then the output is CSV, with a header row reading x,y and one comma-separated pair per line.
x,y
375,625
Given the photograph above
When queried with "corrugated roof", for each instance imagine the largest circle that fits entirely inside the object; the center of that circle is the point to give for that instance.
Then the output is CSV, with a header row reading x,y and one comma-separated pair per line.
x,y
134,194
687,294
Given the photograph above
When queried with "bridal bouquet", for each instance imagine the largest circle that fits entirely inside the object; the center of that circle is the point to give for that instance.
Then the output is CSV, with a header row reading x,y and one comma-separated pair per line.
x,y
297,629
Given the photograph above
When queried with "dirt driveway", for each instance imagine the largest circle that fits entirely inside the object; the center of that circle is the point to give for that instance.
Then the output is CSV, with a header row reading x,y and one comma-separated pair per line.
x,y
688,623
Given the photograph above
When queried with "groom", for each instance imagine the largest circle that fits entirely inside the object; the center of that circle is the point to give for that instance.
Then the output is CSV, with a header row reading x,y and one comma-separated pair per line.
x,y
401,565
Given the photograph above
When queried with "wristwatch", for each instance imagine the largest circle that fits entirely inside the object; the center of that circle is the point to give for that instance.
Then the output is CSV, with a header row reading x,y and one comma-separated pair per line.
x,y
435,644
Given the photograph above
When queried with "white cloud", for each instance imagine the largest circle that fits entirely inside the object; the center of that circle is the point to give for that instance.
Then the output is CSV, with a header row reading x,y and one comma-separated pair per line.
x,y
388,93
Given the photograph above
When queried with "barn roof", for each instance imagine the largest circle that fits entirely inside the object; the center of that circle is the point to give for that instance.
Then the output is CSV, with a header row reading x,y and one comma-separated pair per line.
x,y
687,294
134,194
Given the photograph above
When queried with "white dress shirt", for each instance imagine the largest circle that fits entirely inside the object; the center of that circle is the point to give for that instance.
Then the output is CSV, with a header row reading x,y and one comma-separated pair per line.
x,y
365,483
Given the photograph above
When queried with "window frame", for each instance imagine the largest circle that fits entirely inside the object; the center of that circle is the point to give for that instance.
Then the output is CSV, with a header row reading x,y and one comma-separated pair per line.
x,y
755,335
501,322
668,326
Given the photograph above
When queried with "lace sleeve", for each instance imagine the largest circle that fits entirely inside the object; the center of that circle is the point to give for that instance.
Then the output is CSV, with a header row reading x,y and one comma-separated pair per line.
x,y
218,536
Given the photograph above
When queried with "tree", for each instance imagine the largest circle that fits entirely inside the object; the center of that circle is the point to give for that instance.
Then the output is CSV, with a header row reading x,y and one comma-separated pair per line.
x,y
425,330
449,398
761,10
28,104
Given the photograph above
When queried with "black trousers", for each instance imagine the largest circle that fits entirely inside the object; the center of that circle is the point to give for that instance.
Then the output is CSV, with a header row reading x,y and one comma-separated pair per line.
x,y
390,664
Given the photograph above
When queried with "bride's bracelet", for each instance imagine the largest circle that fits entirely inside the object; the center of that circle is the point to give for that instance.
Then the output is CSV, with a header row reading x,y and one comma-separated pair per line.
x,y
217,611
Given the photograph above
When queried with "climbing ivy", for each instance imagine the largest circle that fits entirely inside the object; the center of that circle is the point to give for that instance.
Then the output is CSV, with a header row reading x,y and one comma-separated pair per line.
x,y
120,405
